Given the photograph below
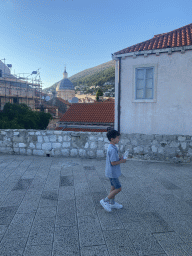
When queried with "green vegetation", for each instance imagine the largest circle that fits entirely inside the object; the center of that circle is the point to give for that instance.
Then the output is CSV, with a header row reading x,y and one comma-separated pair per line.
x,y
95,76
20,116
99,93
97,79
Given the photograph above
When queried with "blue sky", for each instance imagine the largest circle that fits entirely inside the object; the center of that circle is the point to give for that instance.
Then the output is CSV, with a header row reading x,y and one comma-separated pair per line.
x,y
49,34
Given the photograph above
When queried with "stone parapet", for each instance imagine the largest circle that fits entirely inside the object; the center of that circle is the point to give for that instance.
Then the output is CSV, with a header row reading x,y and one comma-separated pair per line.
x,y
172,148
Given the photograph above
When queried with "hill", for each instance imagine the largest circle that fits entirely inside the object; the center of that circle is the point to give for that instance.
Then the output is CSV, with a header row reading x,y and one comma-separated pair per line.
x,y
93,76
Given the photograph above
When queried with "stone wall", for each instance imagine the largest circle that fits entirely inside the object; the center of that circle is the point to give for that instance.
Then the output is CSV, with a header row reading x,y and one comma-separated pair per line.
x,y
176,148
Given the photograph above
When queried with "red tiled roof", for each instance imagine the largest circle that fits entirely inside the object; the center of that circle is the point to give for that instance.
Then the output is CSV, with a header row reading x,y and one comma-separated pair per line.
x,y
176,38
81,129
90,113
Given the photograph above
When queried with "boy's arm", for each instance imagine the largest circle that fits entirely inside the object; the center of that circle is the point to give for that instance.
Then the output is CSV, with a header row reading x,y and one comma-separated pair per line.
x,y
118,162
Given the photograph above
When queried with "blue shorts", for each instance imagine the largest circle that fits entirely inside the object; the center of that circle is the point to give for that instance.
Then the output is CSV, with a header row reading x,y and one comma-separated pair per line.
x,y
115,182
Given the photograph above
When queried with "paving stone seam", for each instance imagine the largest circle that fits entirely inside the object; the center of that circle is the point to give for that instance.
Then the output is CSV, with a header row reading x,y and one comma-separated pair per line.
x,y
77,219
97,213
17,207
12,173
35,215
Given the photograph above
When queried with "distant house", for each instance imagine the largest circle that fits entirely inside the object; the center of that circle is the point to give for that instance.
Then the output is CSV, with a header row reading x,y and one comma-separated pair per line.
x,y
94,117
59,103
153,85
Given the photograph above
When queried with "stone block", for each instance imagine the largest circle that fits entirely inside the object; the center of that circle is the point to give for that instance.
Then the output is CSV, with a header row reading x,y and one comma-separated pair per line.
x,y
31,133
86,145
138,149
190,152
66,138
29,152
91,153
92,138
46,146
18,139
100,153
38,145
38,133
22,151
181,138
100,139
15,133
183,145
66,144
60,138
93,145
73,152
40,139
32,145
38,152
82,152
53,138
174,144
56,145
15,150
154,149
49,132
57,132
106,146
154,142
160,150
46,139
65,152
56,152
169,151
134,142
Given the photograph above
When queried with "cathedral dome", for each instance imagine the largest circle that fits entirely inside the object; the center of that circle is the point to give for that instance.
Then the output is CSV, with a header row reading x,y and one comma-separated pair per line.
x,y
65,83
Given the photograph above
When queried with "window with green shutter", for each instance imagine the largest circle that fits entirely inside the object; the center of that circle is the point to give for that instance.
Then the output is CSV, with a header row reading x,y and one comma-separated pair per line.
x,y
144,79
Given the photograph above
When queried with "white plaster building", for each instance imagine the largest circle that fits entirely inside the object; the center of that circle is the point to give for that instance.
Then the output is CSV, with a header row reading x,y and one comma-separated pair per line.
x,y
65,88
153,84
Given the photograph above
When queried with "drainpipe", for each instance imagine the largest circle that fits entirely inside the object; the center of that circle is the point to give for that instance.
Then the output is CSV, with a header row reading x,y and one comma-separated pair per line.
x,y
119,93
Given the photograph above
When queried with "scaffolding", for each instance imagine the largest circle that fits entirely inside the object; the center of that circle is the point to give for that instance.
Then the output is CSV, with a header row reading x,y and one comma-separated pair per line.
x,y
20,88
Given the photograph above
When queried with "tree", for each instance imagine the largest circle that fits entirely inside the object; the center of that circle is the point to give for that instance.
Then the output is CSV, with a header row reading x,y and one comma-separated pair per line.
x,y
99,93
20,116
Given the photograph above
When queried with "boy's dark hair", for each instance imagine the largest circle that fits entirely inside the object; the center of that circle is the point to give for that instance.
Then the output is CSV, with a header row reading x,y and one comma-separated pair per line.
x,y
112,134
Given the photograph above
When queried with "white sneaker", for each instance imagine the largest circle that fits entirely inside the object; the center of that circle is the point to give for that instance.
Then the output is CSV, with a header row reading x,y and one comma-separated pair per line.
x,y
106,205
116,206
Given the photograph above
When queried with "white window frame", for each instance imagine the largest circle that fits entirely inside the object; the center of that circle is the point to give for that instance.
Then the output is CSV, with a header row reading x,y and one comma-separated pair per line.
x,y
135,67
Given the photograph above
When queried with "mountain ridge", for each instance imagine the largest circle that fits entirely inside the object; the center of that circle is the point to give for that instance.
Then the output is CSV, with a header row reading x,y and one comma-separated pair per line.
x,y
85,73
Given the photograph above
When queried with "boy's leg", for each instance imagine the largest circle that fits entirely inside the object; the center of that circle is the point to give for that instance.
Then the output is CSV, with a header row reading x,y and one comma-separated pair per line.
x,y
113,193
107,199
112,188
117,185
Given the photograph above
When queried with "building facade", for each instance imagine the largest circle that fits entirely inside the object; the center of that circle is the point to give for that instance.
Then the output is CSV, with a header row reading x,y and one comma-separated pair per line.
x,y
153,85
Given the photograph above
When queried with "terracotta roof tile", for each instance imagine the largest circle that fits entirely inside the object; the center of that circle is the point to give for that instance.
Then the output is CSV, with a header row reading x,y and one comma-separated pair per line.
x,y
90,113
176,38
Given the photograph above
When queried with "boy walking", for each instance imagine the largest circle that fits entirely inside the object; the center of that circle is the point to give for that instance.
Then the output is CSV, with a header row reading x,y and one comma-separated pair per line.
x,y
113,171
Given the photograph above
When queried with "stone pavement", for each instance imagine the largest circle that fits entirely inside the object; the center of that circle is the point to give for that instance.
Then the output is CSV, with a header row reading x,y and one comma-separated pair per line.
x,y
50,207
